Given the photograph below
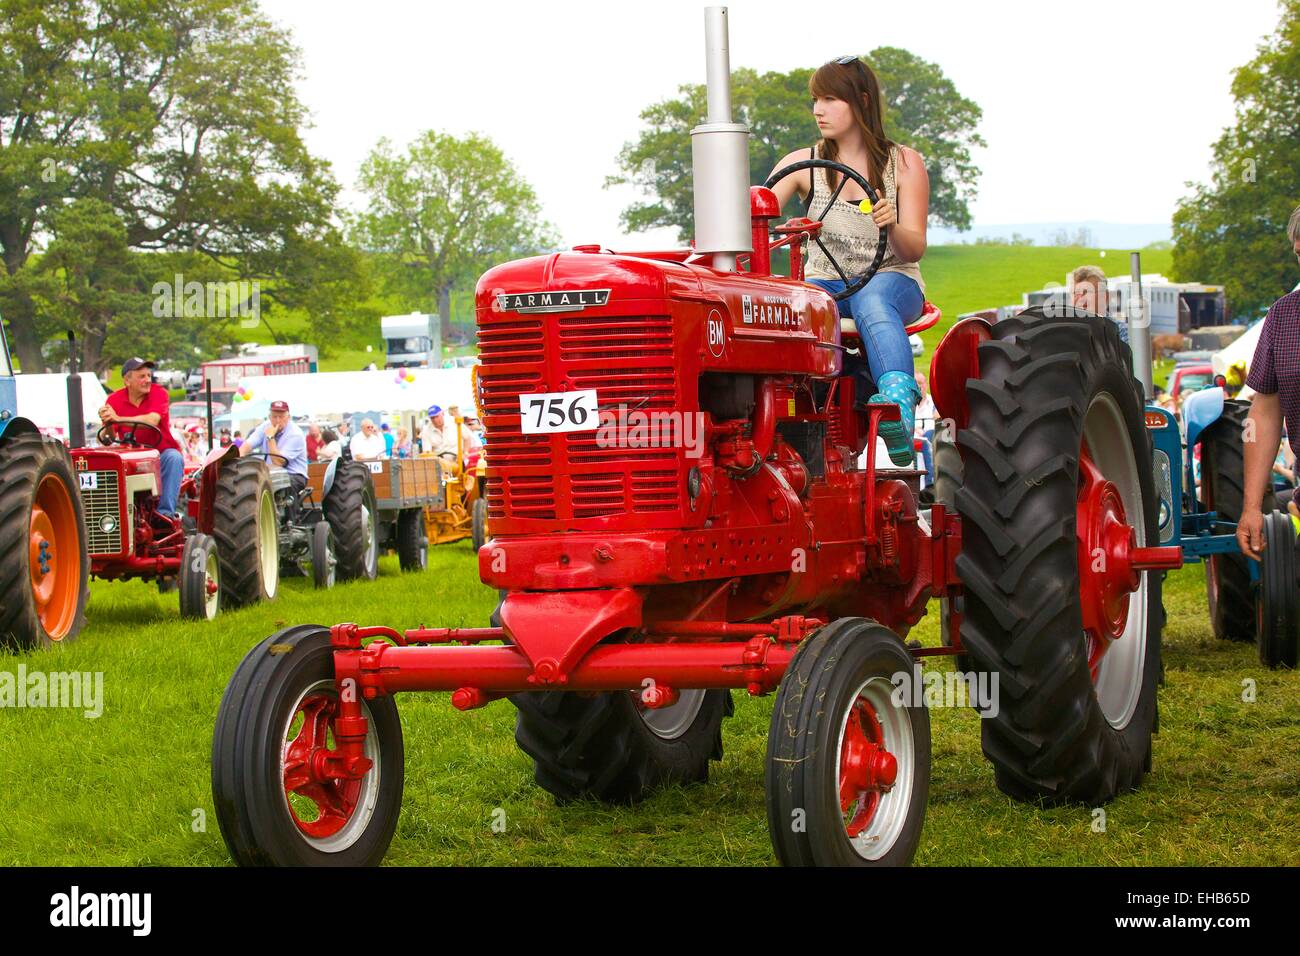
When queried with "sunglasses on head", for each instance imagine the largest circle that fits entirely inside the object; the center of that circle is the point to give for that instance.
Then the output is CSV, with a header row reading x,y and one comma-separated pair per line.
x,y
845,60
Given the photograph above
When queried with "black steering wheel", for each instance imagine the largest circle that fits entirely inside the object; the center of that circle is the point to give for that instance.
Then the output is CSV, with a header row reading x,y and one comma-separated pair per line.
x,y
268,455
882,243
108,434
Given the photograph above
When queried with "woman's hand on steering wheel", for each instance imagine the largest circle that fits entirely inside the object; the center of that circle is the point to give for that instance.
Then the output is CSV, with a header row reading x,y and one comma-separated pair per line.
x,y
851,285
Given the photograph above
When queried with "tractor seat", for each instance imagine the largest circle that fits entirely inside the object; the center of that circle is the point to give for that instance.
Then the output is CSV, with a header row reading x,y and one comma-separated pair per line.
x,y
929,317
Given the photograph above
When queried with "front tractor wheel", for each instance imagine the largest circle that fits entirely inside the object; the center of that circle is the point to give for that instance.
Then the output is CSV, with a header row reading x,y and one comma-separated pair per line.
x,y
612,747
200,578
277,802
44,567
848,759
1062,597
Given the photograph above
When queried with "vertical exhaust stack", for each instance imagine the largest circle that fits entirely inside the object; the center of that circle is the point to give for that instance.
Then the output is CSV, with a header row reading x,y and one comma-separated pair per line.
x,y
1139,328
720,158
76,416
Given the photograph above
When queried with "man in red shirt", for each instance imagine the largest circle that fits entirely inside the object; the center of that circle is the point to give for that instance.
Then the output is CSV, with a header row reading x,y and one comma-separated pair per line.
x,y
140,400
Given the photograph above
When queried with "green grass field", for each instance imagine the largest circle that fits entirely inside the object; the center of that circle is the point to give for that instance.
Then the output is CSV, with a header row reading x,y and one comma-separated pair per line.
x,y
132,787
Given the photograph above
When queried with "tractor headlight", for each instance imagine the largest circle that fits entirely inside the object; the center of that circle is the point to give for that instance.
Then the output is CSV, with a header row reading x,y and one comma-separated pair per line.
x,y
108,524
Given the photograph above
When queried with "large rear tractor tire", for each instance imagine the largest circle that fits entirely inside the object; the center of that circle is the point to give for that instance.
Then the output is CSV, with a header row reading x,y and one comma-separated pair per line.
x,y
412,540
1277,629
1227,576
611,747
247,530
353,516
274,727
44,567
848,757
1056,452
947,479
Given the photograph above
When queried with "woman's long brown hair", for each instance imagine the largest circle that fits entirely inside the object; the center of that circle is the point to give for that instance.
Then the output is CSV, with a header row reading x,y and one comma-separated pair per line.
x,y
856,84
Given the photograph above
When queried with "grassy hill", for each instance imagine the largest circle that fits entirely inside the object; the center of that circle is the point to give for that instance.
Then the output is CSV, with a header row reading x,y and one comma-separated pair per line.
x,y
965,278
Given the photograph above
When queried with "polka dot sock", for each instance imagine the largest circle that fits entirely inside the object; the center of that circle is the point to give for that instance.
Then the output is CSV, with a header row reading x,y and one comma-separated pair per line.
x,y
898,388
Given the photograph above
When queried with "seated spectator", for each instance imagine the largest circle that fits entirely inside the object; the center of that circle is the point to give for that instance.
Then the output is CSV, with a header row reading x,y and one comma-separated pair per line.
x,y
368,444
402,446
330,446
1088,291
313,442
389,441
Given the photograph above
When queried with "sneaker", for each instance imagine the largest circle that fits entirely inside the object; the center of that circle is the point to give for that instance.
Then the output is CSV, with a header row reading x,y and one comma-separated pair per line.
x,y
898,388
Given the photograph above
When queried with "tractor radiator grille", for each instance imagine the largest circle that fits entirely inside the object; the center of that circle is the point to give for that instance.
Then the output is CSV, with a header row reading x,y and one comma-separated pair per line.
x,y
628,360
98,502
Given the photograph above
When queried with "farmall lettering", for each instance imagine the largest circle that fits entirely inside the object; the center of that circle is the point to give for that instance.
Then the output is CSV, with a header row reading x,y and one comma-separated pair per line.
x,y
774,312
717,334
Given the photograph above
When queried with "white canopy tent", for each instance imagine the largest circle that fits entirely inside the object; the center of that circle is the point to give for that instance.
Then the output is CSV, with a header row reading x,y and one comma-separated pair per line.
x,y
333,394
43,398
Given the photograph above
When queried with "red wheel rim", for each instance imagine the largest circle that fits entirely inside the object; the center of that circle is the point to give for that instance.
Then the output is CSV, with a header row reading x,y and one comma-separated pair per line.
x,y
867,769
54,557
335,801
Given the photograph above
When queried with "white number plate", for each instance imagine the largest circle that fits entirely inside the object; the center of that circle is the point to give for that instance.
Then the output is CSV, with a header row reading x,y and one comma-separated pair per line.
x,y
545,412
89,481
376,467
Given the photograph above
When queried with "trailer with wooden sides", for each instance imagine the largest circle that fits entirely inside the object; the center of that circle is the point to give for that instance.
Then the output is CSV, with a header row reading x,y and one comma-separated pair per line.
x,y
401,489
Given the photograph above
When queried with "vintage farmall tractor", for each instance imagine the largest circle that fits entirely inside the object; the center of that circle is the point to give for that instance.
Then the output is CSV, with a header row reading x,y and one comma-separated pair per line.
x,y
227,557
644,581
44,571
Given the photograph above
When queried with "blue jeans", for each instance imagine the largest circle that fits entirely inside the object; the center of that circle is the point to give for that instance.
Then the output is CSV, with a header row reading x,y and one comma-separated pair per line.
x,y
881,310
173,467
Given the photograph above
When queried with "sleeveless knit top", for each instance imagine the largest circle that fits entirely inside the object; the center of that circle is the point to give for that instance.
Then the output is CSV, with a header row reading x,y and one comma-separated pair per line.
x,y
850,234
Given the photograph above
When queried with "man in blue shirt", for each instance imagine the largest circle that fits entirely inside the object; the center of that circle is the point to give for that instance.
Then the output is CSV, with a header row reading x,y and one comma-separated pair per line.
x,y
283,442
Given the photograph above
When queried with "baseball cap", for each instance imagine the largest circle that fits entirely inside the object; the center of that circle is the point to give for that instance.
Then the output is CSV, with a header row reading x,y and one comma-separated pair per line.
x,y
384,427
279,406
435,409
131,364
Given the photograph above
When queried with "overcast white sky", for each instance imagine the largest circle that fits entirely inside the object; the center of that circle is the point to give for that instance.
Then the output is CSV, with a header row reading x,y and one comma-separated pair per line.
x,y
559,87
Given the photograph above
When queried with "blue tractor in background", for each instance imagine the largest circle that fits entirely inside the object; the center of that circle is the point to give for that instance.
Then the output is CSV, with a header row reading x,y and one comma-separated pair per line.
x,y
44,566
1248,600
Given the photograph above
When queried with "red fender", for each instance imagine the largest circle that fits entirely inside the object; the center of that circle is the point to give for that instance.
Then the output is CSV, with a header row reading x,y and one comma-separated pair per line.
x,y
956,359
209,472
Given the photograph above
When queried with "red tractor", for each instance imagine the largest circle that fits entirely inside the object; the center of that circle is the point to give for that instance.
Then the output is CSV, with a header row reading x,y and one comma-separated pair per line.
x,y
644,581
223,553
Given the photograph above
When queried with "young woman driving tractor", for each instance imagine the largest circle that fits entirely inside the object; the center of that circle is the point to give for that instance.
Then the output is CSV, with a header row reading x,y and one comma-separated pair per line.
x,y
848,108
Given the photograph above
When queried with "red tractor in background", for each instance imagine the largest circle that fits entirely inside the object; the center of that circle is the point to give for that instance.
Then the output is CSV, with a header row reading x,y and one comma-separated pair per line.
x,y
642,582
223,553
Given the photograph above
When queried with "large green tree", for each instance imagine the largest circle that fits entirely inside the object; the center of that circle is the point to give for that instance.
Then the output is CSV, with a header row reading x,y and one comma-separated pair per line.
x,y
180,116
1233,230
922,109
442,212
